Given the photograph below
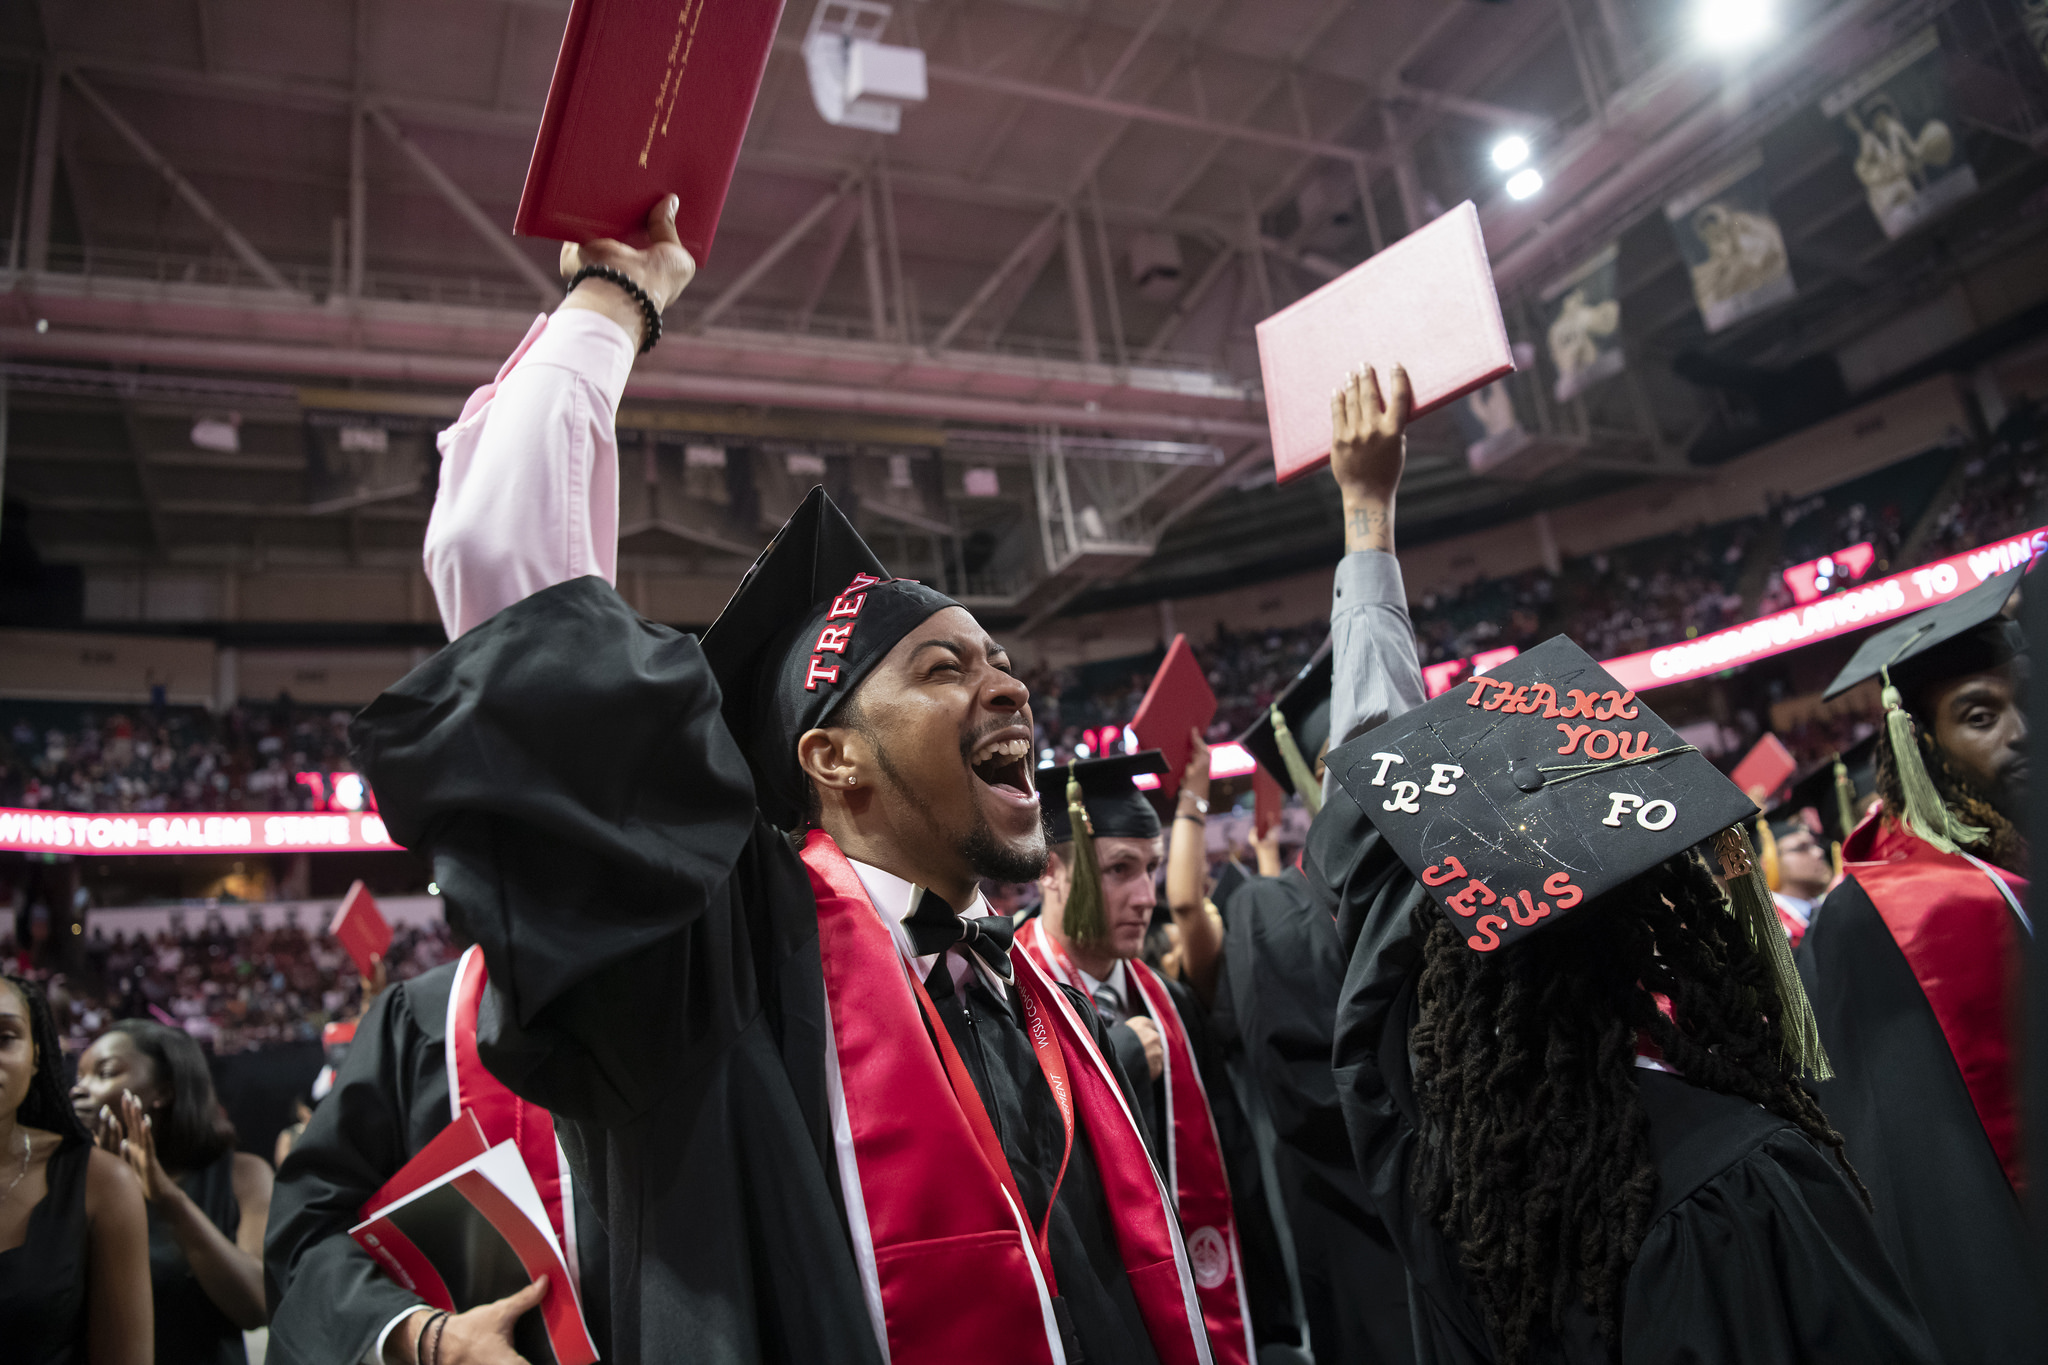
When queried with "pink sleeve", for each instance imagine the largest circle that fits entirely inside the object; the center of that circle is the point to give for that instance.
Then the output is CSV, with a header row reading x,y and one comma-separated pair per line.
x,y
529,493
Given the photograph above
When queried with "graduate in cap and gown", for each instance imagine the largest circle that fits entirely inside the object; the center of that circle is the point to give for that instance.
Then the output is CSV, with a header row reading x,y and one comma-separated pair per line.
x,y
412,1069
1283,969
1098,903
1568,1057
727,894
1914,964
1798,867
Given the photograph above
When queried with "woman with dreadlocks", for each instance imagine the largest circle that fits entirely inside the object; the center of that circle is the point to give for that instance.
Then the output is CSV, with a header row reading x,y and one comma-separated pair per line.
x,y
1567,1047
1914,966
74,1243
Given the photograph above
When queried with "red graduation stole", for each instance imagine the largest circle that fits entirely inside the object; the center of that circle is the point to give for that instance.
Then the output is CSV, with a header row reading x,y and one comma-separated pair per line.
x,y
503,1116
951,1264
1194,1156
1962,940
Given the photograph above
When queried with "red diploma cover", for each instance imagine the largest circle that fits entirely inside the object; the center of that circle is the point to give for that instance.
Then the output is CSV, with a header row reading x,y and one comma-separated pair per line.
x,y
1179,700
361,927
646,100
1764,769
1426,302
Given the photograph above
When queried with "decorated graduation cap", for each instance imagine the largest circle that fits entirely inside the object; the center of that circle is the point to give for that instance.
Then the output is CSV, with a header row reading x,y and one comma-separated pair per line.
x,y
1518,796
1287,739
1098,800
811,619
1967,634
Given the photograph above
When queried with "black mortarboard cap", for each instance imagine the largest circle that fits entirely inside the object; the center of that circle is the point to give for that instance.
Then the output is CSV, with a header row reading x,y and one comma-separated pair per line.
x,y
1815,790
1116,808
1966,634
1520,795
815,613
1305,704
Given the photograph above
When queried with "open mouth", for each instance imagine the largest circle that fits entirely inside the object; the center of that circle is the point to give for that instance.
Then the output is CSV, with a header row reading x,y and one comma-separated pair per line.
x,y
1003,762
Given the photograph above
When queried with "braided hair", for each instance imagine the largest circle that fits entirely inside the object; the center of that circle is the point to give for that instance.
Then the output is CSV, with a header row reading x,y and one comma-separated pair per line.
x,y
46,1105
2003,843
1534,1157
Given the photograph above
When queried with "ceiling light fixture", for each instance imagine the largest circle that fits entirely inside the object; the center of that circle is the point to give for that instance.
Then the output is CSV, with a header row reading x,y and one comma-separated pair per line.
x,y
1510,152
1732,25
1524,183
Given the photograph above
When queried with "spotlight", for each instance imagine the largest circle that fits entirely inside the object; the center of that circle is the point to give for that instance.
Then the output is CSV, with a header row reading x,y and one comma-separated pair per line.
x,y
1524,183
1730,25
1510,152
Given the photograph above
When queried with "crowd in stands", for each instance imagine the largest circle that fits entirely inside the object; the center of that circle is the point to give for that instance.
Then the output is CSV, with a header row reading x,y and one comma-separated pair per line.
x,y
66,757
233,989
1635,597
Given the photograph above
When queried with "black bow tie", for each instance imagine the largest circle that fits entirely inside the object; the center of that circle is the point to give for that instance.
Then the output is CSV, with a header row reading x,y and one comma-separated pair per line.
x,y
935,928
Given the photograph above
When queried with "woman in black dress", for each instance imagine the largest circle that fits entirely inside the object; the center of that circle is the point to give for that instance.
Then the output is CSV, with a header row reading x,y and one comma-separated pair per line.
x,y
145,1091
74,1249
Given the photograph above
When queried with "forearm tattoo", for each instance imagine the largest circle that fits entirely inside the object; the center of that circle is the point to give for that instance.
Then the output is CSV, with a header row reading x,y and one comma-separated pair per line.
x,y
1368,528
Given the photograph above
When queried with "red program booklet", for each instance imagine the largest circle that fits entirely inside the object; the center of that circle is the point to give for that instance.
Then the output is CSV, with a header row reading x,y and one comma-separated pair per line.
x,y
473,1234
1269,803
361,927
646,100
1178,700
1426,302
1765,768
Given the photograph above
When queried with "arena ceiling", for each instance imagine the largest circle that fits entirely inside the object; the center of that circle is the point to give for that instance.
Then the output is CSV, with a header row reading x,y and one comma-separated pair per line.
x,y
294,215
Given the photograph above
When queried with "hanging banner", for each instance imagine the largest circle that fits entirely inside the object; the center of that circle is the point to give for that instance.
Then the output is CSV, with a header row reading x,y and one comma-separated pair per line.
x,y
1731,244
1583,331
1896,121
2034,19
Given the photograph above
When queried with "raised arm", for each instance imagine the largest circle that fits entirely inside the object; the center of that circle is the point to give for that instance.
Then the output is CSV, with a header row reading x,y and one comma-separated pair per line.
x,y
1375,673
529,492
1187,877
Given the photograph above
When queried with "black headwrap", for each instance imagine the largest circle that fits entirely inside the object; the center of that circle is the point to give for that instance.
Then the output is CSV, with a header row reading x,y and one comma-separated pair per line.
x,y
811,619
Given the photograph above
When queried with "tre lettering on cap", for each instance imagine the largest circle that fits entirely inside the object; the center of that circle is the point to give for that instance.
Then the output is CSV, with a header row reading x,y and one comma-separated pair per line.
x,y
835,639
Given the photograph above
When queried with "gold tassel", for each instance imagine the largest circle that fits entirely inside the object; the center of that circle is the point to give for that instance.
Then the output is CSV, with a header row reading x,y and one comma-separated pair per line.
x,y
1298,770
1926,814
1083,921
1845,803
1767,853
1750,902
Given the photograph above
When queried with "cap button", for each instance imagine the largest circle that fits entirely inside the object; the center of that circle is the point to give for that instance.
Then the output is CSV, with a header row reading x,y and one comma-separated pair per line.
x,y
1527,778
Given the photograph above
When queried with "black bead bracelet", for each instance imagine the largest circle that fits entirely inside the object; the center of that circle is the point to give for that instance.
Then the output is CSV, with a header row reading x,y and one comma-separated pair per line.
x,y
633,291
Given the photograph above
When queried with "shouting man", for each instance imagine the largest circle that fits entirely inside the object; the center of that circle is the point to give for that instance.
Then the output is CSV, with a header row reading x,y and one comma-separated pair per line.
x,y
728,898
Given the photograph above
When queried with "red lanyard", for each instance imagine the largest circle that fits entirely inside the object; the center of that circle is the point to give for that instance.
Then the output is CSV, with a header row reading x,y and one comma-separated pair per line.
x,y
1056,957
1051,1060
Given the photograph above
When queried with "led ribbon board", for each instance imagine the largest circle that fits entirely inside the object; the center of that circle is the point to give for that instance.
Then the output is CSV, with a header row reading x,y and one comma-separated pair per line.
x,y
83,832
1852,609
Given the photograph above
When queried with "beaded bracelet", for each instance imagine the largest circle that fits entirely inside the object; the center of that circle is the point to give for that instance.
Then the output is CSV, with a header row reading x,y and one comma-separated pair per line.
x,y
633,291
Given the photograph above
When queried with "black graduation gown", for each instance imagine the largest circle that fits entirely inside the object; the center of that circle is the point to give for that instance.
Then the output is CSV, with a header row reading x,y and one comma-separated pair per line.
x,y
655,982
1945,1209
1283,970
1758,1249
328,1299
1265,1270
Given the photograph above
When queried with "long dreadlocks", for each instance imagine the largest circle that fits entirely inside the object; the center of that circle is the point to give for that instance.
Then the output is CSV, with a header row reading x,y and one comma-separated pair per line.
x,y
1535,1150
2003,843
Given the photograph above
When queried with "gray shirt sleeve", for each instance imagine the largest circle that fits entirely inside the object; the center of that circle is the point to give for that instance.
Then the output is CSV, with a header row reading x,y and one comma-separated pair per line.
x,y
1375,674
